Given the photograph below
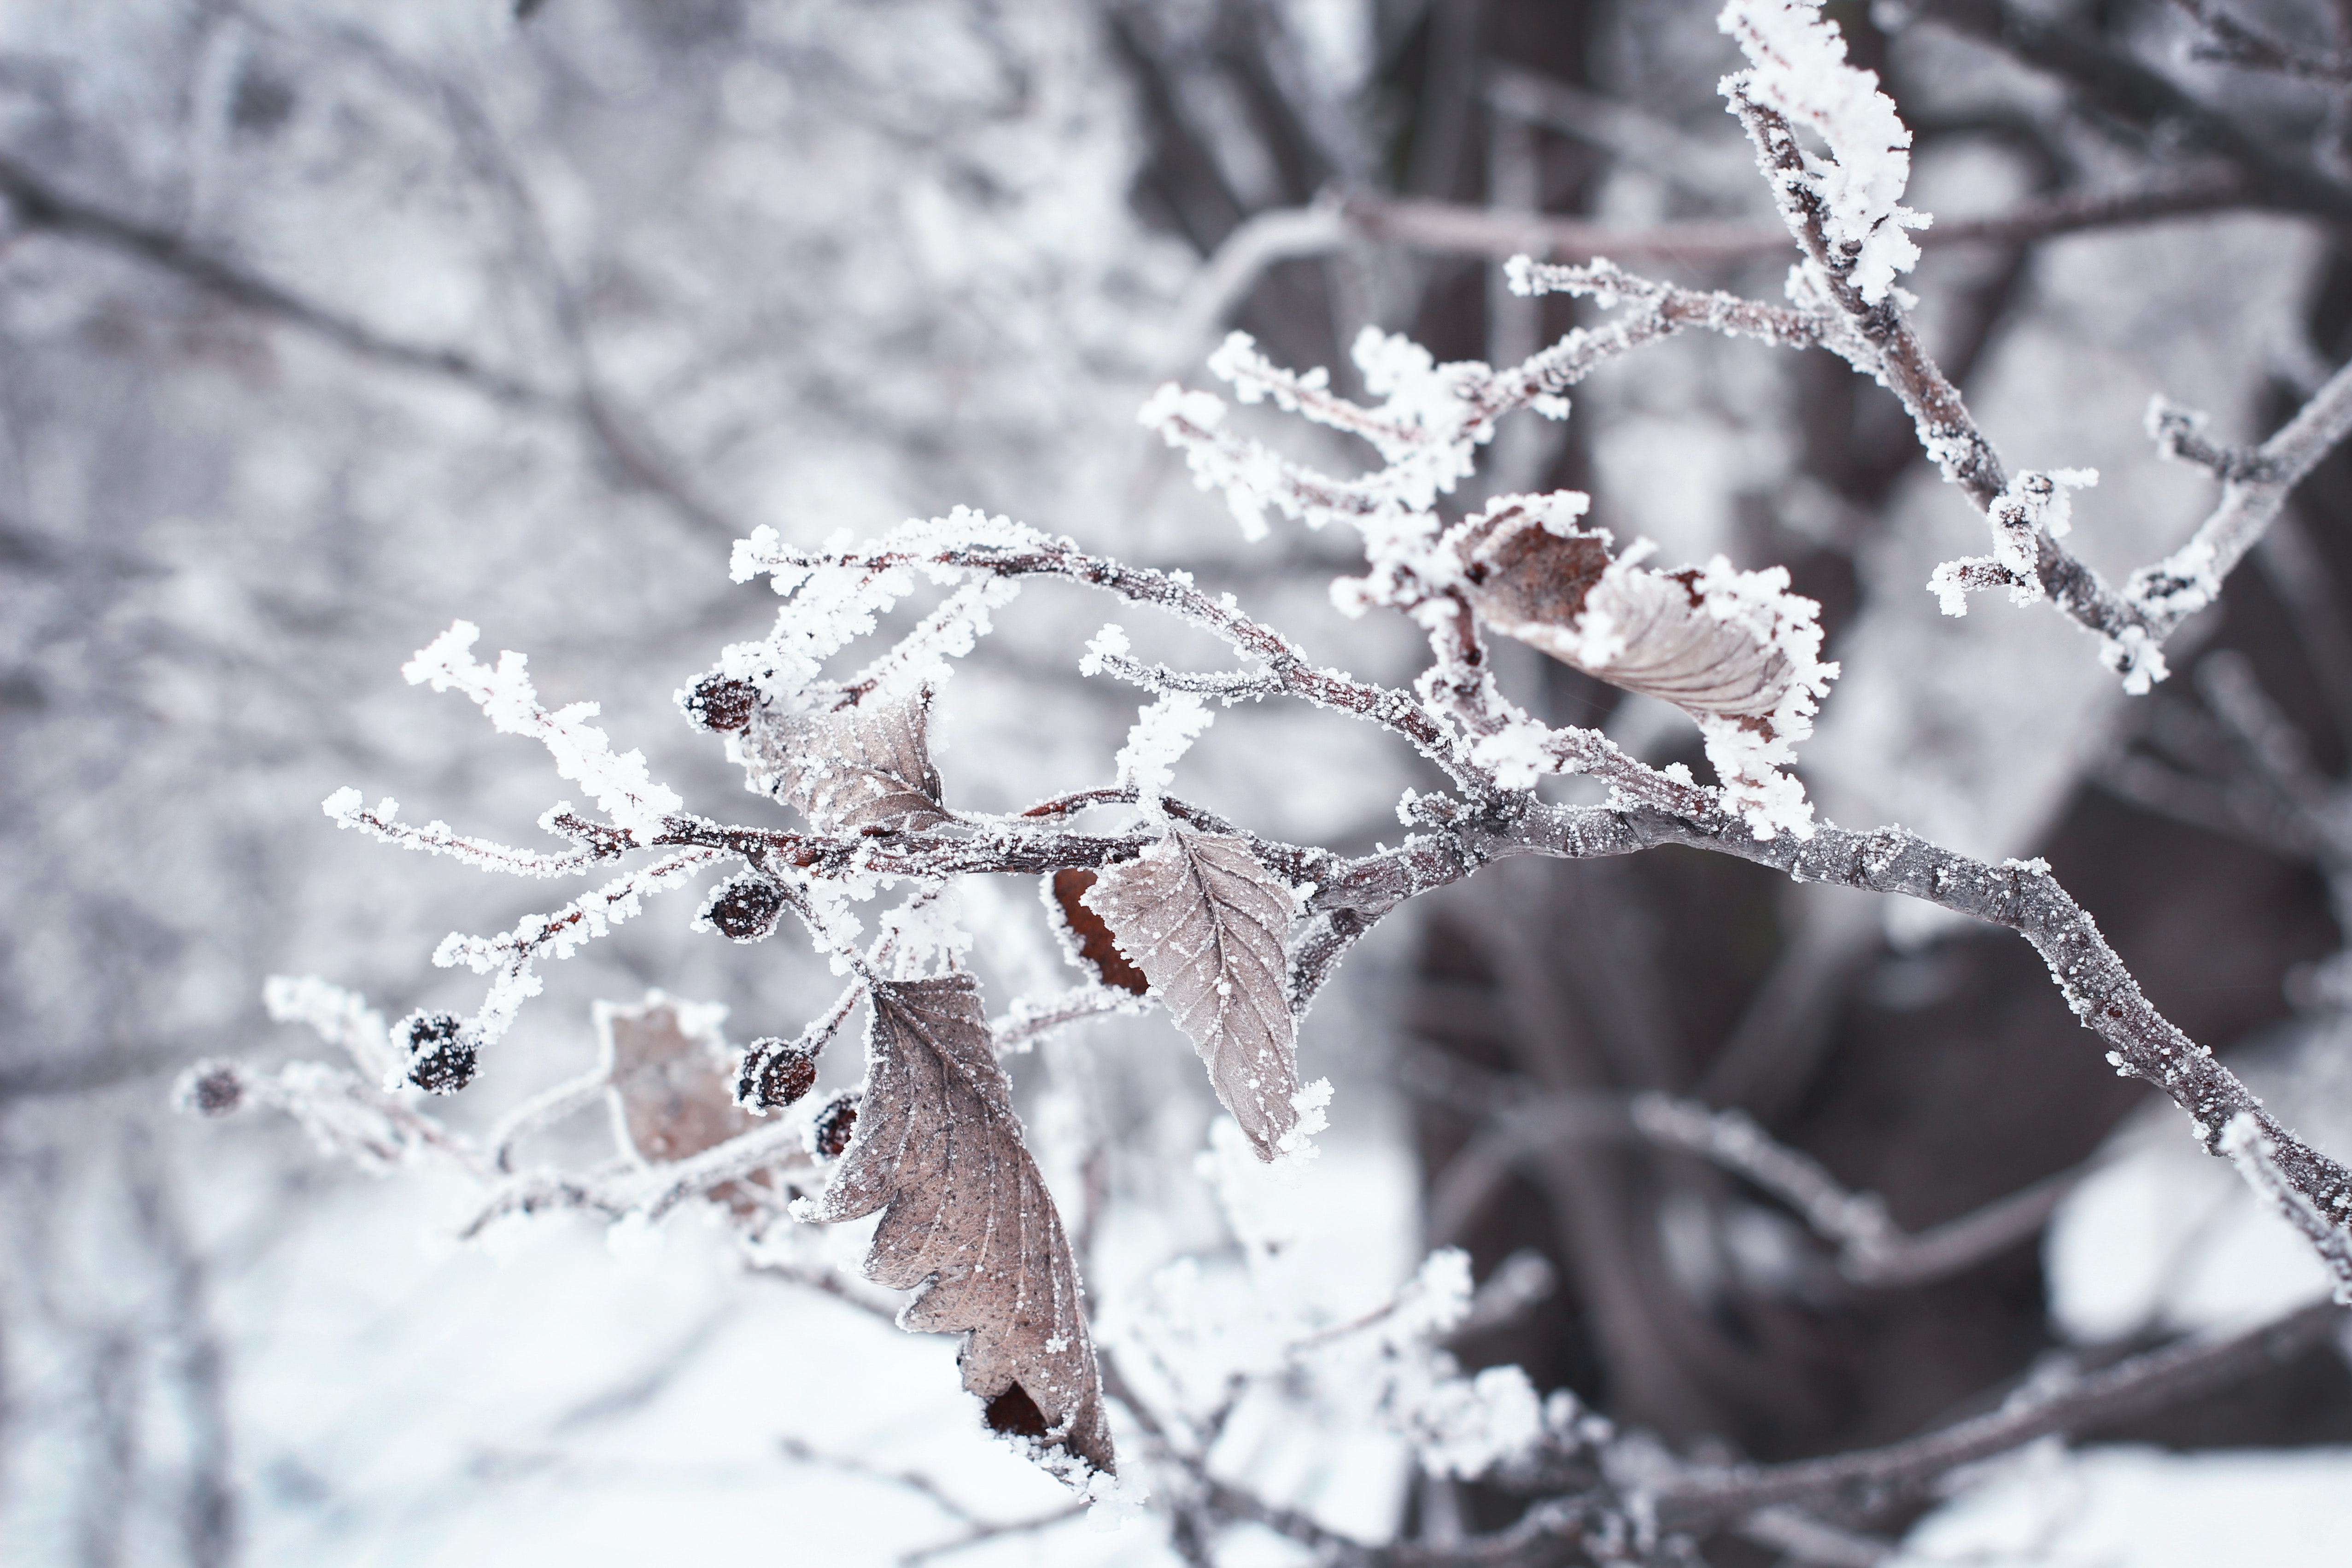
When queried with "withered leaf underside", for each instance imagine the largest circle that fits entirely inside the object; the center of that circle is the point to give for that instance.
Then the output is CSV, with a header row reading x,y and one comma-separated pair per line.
x,y
1086,935
867,765
966,1217
1209,927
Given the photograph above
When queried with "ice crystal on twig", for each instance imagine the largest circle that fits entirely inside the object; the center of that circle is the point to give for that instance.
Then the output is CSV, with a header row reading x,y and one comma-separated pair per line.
x,y
1797,65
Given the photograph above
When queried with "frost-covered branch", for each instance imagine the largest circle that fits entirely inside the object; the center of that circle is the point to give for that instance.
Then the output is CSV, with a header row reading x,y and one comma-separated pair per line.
x,y
1033,1019
1649,1493
2021,895
1232,935
2255,485
346,1116
967,542
1448,228
1841,210
2250,1149
696,1150
1733,649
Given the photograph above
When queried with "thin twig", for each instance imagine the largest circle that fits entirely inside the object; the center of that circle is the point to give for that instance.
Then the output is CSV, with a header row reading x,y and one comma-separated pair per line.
x,y
825,1281
980,1533
2232,40
1446,228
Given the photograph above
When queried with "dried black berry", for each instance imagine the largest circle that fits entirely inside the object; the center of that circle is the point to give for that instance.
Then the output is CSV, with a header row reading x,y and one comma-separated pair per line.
x,y
745,908
775,1073
721,702
212,1088
830,1133
441,1058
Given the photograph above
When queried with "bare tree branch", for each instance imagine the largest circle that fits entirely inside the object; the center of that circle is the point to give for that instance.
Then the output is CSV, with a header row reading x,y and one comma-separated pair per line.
x,y
1447,229
1872,1251
2232,40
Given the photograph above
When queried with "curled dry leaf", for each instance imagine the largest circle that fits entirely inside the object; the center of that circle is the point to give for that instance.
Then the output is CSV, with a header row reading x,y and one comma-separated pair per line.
x,y
1644,630
966,1217
1085,937
1207,926
1733,649
865,765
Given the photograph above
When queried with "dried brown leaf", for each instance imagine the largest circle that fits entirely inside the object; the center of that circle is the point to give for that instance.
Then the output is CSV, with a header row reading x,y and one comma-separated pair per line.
x,y
1085,935
1209,927
867,765
1651,632
966,1217
666,1069
668,1074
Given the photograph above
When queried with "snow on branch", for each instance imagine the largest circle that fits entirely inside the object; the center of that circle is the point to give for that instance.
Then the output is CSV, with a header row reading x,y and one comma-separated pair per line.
x,y
2255,485
1033,1019
2250,1148
1797,65
660,1067
2034,505
1844,214
620,784
345,809
967,543
1733,648
511,957
347,1117
1433,416
338,1016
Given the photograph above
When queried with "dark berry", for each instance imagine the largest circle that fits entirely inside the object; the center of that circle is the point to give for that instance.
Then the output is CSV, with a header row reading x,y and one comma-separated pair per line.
x,y
745,908
721,702
830,1133
441,1057
213,1088
775,1073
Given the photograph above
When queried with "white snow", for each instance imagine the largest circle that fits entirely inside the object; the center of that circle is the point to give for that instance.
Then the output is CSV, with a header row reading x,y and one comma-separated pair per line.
x,y
1163,731
581,752
2147,1509
1796,64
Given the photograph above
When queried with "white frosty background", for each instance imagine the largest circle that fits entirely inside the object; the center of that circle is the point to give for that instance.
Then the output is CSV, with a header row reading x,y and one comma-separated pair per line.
x,y
818,266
